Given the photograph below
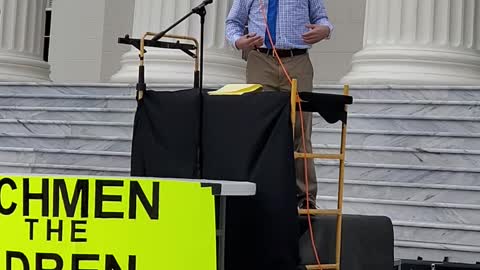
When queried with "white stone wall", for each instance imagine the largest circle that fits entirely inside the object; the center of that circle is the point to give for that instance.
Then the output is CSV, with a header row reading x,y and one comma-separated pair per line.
x,y
165,66
21,41
88,52
118,22
332,58
84,38
426,42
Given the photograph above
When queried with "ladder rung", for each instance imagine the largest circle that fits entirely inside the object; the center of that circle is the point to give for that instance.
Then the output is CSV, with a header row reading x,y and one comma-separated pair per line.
x,y
323,266
321,156
320,212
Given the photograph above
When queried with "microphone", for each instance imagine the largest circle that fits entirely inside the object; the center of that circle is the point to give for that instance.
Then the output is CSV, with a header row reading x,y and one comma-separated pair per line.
x,y
201,6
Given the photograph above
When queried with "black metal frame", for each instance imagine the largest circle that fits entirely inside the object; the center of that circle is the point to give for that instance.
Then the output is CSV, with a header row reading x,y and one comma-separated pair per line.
x,y
140,44
136,42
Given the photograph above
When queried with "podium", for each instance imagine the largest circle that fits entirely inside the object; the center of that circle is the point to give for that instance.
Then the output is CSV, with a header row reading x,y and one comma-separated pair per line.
x,y
244,138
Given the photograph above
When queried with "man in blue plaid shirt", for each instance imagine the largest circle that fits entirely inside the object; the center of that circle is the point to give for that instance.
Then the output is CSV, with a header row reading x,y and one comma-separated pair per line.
x,y
295,25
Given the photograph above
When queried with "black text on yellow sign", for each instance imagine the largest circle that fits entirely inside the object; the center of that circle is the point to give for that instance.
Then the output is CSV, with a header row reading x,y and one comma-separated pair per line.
x,y
56,223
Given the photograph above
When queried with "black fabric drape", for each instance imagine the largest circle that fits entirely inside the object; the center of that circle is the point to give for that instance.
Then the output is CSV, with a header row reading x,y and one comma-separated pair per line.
x,y
165,136
330,107
244,138
249,138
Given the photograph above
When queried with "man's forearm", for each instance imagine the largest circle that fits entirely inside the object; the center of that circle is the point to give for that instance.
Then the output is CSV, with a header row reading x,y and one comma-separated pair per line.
x,y
236,20
233,32
319,16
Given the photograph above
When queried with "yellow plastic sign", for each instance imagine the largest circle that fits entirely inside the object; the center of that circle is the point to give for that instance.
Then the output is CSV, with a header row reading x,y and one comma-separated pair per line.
x,y
90,223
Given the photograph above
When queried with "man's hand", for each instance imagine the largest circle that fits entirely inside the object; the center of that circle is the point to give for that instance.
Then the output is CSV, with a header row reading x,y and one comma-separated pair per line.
x,y
249,41
316,34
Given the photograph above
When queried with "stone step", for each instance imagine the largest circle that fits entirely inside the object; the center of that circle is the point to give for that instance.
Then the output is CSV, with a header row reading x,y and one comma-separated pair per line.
x,y
407,210
405,123
67,113
445,140
385,190
416,107
67,128
29,168
101,89
438,233
57,100
406,155
436,252
444,175
67,89
65,142
65,157
400,92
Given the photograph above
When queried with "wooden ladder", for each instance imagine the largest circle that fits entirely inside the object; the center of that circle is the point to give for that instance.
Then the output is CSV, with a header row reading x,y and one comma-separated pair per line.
x,y
341,158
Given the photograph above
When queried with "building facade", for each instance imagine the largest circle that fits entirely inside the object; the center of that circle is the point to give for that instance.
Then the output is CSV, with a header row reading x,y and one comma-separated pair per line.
x,y
84,49
412,150
375,41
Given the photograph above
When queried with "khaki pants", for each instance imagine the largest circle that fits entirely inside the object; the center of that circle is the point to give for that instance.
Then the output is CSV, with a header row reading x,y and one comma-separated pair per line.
x,y
265,70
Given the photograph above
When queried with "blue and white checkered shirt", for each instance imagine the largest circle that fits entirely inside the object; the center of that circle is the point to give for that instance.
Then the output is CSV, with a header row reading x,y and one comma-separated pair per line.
x,y
292,17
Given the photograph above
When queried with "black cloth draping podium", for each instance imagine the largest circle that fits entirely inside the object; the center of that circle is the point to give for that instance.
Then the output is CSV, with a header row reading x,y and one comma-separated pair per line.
x,y
165,135
242,138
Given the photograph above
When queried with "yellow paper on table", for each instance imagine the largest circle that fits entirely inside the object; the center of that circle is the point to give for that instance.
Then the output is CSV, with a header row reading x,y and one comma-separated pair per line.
x,y
236,89
105,223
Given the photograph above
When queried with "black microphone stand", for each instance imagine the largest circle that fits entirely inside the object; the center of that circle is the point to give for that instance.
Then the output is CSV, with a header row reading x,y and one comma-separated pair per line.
x,y
202,12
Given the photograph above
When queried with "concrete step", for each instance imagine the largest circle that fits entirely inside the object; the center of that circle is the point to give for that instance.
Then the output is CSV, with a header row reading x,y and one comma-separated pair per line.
x,y
385,190
405,123
29,168
389,138
401,92
65,142
67,113
436,252
67,128
434,241
101,89
67,89
65,157
416,107
406,155
450,93
57,100
440,233
401,173
407,210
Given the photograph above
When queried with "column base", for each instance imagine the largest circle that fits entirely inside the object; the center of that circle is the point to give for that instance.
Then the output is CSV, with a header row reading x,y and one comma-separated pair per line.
x,y
414,65
177,68
22,68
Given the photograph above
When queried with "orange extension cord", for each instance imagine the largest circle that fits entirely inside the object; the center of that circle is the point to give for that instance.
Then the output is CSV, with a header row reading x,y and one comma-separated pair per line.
x,y
310,227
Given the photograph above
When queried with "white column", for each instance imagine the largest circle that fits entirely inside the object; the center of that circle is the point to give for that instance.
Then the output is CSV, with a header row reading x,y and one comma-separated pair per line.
x,y
166,66
22,26
435,42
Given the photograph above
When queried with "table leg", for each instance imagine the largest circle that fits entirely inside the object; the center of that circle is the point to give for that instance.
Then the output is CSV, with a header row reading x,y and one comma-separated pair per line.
x,y
222,233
